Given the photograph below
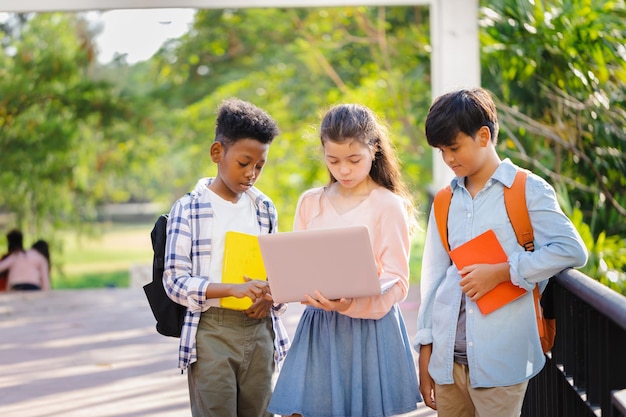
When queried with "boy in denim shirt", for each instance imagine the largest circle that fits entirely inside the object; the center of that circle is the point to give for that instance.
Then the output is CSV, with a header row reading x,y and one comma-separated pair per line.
x,y
472,364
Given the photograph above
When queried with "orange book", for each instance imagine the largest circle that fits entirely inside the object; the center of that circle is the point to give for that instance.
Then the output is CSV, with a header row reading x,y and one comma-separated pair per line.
x,y
486,249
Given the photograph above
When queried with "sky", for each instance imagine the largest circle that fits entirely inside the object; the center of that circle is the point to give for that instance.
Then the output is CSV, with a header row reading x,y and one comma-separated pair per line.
x,y
138,32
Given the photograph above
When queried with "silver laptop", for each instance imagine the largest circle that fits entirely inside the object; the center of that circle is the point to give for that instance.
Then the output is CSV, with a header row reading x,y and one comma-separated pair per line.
x,y
338,262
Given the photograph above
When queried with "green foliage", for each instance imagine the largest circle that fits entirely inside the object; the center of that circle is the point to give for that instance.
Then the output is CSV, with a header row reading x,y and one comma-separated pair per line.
x,y
607,255
559,67
53,118
74,135
314,58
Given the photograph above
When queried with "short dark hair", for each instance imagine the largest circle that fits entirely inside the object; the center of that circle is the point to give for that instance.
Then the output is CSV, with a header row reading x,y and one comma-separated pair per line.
x,y
460,111
238,119
15,240
42,247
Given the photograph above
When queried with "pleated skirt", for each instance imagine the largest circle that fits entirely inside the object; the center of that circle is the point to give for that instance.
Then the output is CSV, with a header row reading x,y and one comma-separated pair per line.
x,y
338,366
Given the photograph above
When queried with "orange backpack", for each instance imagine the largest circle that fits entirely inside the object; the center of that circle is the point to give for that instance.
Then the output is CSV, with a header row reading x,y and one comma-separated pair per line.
x,y
515,203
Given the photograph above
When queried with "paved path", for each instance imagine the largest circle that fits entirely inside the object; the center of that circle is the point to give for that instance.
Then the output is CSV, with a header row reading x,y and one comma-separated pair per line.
x,y
95,353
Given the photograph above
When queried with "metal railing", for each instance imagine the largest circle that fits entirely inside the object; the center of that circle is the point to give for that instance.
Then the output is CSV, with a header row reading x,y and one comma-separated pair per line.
x,y
618,403
586,369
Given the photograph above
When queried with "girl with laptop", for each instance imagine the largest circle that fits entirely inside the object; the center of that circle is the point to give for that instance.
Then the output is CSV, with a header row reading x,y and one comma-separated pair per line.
x,y
352,356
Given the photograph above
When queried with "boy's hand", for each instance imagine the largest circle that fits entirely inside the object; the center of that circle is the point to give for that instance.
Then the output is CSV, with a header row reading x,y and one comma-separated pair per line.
x,y
259,309
328,305
427,385
477,280
252,288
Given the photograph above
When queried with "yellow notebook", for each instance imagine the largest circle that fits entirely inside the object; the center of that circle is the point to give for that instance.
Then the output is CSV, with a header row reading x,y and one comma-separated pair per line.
x,y
242,256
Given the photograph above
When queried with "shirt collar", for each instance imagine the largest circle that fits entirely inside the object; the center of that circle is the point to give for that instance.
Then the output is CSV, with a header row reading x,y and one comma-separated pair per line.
x,y
505,174
201,186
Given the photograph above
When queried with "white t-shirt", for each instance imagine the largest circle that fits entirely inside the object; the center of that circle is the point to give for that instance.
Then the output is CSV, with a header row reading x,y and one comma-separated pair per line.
x,y
238,217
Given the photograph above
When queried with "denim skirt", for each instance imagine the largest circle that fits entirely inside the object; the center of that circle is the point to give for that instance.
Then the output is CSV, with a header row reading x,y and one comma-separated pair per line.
x,y
338,366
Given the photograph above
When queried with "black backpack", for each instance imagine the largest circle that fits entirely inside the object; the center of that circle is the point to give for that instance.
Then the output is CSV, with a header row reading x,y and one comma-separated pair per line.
x,y
168,314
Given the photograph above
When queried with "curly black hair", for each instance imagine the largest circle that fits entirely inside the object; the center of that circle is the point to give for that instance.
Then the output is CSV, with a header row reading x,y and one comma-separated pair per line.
x,y
238,119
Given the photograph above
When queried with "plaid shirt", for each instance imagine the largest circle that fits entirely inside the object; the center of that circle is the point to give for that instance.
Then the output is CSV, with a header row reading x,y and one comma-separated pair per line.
x,y
187,260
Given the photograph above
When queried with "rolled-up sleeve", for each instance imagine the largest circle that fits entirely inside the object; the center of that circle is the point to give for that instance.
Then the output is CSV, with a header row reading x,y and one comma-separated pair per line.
x,y
558,245
435,265
178,280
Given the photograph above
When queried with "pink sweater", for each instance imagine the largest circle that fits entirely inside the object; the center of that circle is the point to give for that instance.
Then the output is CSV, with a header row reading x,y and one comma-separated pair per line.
x,y
27,267
385,215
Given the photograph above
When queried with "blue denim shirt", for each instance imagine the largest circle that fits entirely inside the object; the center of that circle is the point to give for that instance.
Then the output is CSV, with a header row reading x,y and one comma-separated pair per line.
x,y
503,347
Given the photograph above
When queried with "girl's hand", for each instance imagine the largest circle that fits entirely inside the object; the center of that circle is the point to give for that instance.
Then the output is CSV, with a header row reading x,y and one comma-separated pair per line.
x,y
328,305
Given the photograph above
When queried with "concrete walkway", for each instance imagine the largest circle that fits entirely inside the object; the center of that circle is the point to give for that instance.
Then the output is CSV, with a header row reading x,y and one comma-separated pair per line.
x,y
84,353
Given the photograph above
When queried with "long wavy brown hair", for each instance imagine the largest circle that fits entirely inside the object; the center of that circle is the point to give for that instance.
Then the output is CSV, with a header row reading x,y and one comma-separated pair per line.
x,y
355,122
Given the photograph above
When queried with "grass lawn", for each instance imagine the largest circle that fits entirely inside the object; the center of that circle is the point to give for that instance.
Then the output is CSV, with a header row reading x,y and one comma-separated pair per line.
x,y
106,261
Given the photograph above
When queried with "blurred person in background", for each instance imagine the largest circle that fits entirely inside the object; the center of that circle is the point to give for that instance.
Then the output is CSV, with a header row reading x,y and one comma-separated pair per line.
x,y
26,269
14,243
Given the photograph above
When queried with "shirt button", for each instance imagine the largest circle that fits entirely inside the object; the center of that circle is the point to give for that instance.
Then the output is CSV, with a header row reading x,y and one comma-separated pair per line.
x,y
470,344
469,215
470,311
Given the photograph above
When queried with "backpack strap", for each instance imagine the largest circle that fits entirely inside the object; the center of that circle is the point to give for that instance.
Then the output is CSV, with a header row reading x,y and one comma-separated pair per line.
x,y
441,206
515,203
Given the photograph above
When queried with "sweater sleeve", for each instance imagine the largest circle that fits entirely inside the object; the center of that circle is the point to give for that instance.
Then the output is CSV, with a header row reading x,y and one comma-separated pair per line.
x,y
391,241
307,208
6,263
44,271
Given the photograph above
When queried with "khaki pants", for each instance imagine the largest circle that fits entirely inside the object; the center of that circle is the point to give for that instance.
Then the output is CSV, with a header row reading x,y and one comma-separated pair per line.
x,y
233,374
461,400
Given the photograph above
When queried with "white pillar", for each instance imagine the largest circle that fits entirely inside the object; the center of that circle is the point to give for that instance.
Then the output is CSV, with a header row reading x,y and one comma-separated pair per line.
x,y
455,59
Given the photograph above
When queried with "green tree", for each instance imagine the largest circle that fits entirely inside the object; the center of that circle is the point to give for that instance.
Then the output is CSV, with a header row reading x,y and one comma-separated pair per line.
x,y
53,122
559,68
295,63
